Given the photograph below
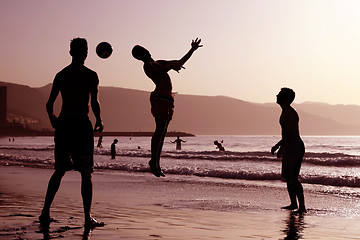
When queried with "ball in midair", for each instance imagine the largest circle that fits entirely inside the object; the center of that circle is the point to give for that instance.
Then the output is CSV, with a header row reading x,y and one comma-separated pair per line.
x,y
104,50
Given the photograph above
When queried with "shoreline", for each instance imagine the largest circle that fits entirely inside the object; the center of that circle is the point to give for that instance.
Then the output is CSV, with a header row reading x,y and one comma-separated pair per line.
x,y
6,131
140,206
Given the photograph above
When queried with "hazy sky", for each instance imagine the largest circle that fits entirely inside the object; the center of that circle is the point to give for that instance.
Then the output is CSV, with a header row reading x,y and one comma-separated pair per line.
x,y
252,48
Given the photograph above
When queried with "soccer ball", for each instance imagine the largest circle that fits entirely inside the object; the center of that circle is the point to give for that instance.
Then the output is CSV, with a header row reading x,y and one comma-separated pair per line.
x,y
104,50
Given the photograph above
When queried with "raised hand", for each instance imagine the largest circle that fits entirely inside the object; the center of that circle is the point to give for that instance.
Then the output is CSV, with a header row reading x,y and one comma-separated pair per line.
x,y
195,44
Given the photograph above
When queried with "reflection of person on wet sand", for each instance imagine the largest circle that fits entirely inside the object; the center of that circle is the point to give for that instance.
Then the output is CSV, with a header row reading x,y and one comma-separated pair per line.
x,y
112,149
219,145
161,99
294,226
74,137
291,150
178,141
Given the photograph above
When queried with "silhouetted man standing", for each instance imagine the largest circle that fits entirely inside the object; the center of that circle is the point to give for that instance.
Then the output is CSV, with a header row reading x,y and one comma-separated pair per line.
x,y
291,150
161,99
113,149
74,139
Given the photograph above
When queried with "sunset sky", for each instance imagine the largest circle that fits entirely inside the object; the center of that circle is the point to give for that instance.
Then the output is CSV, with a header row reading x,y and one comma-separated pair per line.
x,y
252,48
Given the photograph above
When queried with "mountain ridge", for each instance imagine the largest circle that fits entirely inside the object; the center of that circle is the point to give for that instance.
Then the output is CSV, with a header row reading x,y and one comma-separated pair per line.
x,y
129,110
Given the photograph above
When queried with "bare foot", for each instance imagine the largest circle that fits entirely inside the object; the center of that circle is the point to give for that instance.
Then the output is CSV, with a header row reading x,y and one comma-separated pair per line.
x,y
92,223
161,173
154,170
290,207
45,220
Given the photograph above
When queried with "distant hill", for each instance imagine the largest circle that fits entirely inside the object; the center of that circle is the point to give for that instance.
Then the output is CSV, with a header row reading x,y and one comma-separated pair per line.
x,y
27,102
129,110
345,114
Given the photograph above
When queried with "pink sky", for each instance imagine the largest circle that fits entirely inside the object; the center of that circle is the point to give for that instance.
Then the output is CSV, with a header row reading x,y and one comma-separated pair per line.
x,y
251,48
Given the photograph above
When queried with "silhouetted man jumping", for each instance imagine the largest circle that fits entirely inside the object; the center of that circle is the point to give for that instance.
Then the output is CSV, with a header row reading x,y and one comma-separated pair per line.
x,y
74,139
161,99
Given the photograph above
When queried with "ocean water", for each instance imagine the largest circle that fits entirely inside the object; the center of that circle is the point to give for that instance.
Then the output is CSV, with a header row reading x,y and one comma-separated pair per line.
x,y
332,162
215,181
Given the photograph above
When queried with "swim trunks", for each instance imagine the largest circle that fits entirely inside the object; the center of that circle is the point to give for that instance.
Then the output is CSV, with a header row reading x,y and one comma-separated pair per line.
x,y
74,144
292,154
162,106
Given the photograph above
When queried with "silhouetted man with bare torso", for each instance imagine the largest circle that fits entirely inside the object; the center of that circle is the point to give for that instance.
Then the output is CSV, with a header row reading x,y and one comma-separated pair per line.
x,y
161,99
178,142
291,150
74,139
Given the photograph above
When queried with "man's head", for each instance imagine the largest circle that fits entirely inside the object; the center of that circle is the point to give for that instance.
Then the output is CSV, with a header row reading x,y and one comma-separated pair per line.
x,y
285,96
79,48
141,53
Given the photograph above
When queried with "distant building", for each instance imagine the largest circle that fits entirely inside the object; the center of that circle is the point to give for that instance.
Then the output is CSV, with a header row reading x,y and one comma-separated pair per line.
x,y
3,104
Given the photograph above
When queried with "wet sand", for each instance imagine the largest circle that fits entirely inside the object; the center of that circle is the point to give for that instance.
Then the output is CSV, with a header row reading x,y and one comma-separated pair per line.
x,y
140,206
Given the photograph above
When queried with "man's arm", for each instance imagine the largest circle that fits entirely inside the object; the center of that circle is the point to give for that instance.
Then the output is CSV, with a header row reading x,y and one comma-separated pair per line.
x,y
274,148
178,64
95,105
195,44
50,103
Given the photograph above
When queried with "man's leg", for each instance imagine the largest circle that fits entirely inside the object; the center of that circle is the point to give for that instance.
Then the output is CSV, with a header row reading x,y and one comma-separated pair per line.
x,y
157,142
300,196
53,187
86,193
163,128
292,194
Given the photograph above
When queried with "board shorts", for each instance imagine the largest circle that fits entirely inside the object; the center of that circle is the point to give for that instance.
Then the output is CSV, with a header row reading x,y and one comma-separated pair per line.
x,y
74,144
292,155
162,106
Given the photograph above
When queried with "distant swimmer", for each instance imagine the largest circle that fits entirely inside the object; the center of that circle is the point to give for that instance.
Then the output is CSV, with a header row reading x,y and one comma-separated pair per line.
x,y
291,150
178,141
219,145
113,149
161,99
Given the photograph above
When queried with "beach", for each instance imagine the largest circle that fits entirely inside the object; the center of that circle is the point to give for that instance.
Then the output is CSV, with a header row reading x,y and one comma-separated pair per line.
x,y
141,206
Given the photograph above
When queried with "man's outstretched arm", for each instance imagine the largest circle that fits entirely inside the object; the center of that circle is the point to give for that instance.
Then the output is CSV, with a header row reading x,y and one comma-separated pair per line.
x,y
178,64
195,44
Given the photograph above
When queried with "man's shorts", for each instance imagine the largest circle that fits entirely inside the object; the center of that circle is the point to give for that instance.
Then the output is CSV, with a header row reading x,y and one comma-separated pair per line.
x,y
74,144
162,107
292,156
